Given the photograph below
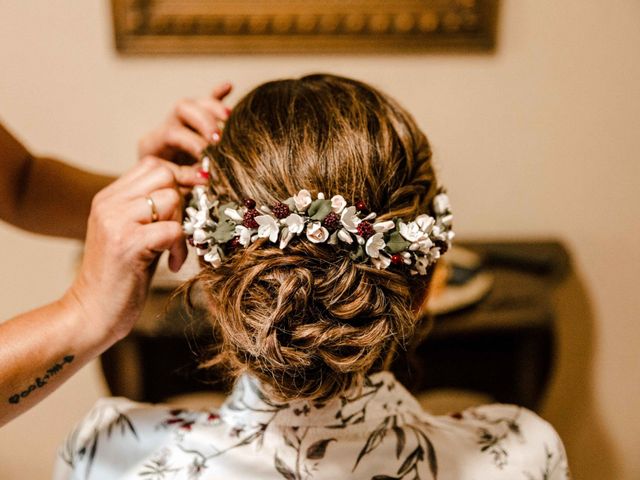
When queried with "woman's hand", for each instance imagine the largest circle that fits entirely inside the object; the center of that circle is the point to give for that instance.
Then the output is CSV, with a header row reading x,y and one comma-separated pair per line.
x,y
125,235
124,239
190,127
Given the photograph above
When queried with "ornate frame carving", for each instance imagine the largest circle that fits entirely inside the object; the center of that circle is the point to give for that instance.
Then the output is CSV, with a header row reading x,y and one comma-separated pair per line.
x,y
303,26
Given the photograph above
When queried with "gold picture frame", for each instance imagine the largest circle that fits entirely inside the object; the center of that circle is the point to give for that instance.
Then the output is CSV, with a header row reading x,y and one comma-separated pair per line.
x,y
303,26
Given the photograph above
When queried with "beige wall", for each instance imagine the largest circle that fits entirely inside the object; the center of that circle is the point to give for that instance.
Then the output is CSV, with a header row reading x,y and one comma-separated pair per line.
x,y
541,138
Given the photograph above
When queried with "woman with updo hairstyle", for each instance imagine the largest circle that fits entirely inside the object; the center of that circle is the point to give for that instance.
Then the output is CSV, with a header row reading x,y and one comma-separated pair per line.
x,y
319,234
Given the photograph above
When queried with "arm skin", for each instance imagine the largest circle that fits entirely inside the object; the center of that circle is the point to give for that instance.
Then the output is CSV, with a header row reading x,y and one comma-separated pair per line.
x,y
42,348
34,365
43,195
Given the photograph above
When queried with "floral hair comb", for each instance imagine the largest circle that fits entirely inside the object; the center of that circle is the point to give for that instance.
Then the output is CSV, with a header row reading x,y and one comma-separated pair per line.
x,y
215,229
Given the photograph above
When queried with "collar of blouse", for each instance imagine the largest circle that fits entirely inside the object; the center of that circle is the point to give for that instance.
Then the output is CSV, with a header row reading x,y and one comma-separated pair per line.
x,y
382,397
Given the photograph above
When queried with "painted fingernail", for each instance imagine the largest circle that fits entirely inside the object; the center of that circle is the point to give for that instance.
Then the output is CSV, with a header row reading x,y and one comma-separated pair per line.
x,y
204,174
215,136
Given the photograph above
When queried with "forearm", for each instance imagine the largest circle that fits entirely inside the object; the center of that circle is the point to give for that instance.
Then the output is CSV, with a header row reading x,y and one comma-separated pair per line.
x,y
40,350
56,198
44,195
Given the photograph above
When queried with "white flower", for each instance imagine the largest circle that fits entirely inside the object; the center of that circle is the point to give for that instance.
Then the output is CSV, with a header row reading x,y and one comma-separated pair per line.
x,y
410,231
198,192
286,237
295,223
384,226
233,214
338,203
316,233
422,263
450,236
447,220
196,219
344,236
200,236
374,244
190,222
441,204
203,200
425,222
349,219
302,200
244,235
268,227
424,244
382,262
439,232
213,257
321,196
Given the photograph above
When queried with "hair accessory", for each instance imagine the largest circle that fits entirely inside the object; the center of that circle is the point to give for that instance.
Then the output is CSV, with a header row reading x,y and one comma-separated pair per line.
x,y
215,229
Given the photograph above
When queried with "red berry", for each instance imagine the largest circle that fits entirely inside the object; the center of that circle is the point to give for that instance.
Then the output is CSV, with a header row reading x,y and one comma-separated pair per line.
x,y
396,259
250,203
331,221
249,219
281,210
361,206
234,243
365,229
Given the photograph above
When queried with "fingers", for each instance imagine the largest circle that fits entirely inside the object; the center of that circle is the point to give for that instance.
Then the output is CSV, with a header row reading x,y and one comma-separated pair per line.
x,y
181,138
166,203
162,236
221,91
192,125
154,174
199,117
216,108
177,255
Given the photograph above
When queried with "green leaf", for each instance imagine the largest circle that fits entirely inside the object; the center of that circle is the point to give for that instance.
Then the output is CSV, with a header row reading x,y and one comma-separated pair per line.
x,y
324,209
397,243
225,231
313,208
222,217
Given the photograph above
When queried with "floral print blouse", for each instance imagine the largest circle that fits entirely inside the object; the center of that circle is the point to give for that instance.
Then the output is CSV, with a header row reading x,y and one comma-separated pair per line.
x,y
381,433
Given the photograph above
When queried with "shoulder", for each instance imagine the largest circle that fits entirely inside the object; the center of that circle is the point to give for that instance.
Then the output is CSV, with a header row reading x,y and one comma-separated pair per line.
x,y
123,429
510,437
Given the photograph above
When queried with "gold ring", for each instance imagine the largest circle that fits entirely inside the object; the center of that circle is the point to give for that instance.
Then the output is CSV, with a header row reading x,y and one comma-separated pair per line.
x,y
154,211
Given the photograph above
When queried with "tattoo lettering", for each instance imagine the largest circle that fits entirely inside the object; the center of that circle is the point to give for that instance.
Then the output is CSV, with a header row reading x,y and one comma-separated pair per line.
x,y
40,382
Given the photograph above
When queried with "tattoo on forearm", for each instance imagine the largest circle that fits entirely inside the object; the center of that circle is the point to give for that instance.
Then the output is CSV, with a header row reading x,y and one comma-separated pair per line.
x,y
40,382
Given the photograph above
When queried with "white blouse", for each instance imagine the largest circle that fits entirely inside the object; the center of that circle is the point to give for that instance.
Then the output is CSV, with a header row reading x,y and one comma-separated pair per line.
x,y
380,433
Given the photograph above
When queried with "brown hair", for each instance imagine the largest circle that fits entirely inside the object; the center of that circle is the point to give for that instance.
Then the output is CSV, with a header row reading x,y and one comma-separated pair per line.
x,y
308,321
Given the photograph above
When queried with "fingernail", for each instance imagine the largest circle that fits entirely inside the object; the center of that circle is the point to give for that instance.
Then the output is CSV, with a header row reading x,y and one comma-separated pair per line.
x,y
204,174
215,136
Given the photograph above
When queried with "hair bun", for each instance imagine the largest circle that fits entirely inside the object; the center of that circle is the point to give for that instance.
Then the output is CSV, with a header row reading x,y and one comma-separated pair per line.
x,y
313,322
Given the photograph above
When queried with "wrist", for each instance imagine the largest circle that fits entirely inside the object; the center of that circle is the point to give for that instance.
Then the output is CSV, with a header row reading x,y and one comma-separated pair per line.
x,y
84,320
